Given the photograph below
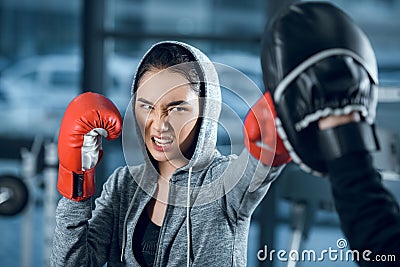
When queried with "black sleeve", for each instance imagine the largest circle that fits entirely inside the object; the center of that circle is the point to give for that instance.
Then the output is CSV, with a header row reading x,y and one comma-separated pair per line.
x,y
369,214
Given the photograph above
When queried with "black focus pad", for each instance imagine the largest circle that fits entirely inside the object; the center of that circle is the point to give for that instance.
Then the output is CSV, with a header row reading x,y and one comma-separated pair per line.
x,y
333,86
339,81
316,63
335,83
305,29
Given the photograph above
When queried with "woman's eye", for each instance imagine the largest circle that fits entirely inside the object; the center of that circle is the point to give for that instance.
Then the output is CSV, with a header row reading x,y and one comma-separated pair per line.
x,y
179,109
148,107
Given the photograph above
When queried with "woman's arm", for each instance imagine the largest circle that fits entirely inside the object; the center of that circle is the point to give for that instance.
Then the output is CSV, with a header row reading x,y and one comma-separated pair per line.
x,y
83,237
260,163
246,181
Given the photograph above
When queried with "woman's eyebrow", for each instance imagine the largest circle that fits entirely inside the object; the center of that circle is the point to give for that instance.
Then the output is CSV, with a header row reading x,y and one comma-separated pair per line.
x,y
170,104
177,103
145,101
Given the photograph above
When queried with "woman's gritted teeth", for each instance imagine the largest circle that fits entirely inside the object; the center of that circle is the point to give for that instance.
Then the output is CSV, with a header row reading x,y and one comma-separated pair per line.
x,y
162,141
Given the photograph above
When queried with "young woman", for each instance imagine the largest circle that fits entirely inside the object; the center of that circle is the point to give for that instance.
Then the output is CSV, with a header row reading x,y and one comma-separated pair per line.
x,y
187,204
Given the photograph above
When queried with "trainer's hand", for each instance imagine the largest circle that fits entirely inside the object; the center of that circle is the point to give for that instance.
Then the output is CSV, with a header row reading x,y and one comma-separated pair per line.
x,y
88,117
333,121
260,135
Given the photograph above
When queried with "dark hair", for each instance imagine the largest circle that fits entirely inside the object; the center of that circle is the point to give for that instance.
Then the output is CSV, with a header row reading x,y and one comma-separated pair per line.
x,y
169,55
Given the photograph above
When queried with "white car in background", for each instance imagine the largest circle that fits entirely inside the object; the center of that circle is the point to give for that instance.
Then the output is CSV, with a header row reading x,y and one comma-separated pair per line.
x,y
34,92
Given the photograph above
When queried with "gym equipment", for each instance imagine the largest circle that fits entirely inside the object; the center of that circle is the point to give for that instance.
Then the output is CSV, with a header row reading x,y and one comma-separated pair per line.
x,y
29,172
50,179
14,195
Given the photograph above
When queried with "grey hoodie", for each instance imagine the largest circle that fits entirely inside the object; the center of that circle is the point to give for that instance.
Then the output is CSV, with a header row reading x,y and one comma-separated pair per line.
x,y
210,204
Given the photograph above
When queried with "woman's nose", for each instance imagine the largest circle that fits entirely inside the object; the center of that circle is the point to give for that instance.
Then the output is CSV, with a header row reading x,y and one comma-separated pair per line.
x,y
160,122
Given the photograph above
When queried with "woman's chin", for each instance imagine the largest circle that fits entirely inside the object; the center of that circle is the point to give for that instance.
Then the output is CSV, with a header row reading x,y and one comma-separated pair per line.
x,y
176,159
167,153
160,158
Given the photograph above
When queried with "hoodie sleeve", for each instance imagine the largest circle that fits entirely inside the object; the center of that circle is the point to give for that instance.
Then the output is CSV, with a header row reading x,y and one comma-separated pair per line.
x,y
244,194
83,238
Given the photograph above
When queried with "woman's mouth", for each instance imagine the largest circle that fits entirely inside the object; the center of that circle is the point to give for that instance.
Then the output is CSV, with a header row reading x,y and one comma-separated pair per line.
x,y
162,143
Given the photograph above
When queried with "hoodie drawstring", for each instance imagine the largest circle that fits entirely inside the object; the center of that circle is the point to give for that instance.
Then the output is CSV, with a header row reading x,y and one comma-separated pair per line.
x,y
124,236
188,218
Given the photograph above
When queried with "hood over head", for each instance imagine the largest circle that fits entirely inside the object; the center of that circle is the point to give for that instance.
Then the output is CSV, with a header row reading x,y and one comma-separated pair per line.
x,y
206,84
210,101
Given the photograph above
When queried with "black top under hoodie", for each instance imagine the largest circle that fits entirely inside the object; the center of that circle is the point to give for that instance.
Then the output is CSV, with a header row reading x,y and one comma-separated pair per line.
x,y
369,214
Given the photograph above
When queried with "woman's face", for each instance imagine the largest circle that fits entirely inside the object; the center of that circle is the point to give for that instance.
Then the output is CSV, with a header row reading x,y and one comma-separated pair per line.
x,y
167,110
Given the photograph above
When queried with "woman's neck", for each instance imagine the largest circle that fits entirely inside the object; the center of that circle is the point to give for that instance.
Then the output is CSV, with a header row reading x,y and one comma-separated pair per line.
x,y
167,168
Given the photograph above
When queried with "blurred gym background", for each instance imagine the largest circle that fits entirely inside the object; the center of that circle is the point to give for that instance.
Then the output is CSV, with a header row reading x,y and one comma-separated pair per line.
x,y
52,50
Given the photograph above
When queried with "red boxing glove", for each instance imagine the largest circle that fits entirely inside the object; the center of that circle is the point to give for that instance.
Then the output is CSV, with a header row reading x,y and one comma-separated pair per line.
x,y
87,118
260,135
